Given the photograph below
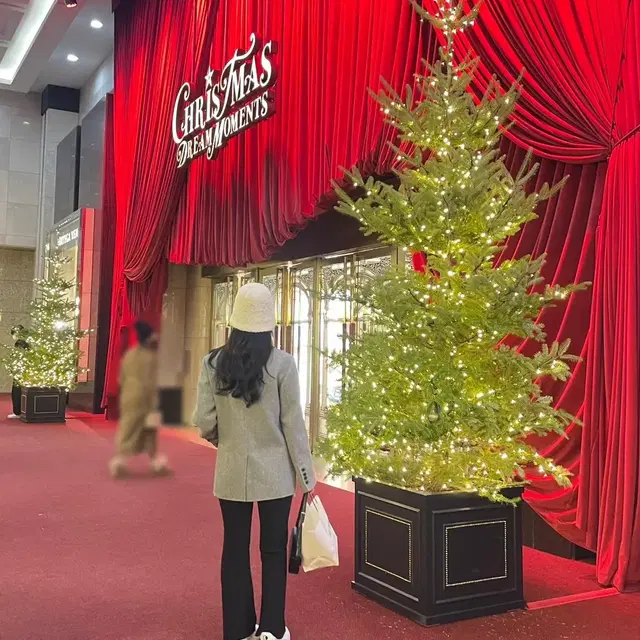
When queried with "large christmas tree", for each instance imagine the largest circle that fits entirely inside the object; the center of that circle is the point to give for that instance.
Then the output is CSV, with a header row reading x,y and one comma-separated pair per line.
x,y
436,397
51,359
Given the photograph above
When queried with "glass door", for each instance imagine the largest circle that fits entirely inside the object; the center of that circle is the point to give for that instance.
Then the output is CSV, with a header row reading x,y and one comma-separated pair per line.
x,y
315,316
336,331
274,280
366,268
224,292
302,313
222,306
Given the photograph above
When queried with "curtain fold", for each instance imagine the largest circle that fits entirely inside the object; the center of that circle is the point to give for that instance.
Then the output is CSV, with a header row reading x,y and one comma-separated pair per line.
x,y
158,44
565,231
109,223
580,103
608,508
570,53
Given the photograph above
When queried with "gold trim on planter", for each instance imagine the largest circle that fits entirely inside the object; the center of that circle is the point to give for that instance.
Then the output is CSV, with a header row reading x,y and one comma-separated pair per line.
x,y
409,526
395,504
35,403
446,552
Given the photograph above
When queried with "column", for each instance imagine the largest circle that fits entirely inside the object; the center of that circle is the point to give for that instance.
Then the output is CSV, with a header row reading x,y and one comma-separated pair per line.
x,y
60,107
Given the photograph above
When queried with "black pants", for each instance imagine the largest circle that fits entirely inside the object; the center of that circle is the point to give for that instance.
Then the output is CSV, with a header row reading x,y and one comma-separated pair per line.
x,y
16,393
238,607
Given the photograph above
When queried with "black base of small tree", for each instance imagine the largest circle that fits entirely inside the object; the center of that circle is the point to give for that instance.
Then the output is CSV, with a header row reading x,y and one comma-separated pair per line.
x,y
43,405
437,558
171,406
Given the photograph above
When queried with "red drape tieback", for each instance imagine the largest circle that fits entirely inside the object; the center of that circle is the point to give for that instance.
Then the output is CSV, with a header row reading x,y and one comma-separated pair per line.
x,y
624,139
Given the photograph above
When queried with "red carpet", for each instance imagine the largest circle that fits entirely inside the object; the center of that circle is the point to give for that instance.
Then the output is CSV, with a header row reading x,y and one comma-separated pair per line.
x,y
85,558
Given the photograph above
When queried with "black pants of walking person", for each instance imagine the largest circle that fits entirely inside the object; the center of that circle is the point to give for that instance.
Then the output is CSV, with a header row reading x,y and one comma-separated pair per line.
x,y
16,399
238,606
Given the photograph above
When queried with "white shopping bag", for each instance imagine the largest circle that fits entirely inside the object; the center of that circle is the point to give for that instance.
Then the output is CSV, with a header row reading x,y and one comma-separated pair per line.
x,y
319,540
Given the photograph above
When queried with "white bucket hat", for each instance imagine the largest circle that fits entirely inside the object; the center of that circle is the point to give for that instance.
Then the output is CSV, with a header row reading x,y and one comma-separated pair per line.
x,y
253,309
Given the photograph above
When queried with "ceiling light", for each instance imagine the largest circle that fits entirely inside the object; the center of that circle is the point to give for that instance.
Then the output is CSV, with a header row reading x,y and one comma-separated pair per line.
x,y
72,57
96,24
71,3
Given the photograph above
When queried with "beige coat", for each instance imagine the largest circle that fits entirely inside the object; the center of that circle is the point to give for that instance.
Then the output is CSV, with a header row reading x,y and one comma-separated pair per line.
x,y
138,398
264,448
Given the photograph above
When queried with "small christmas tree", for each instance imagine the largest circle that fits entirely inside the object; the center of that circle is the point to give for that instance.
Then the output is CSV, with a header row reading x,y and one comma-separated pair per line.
x,y
51,359
435,398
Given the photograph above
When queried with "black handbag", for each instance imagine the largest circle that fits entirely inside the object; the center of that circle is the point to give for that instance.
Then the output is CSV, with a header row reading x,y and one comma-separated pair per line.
x,y
295,550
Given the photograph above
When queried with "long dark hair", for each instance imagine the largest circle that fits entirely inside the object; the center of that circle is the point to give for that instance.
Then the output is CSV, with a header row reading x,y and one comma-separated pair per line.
x,y
143,331
241,363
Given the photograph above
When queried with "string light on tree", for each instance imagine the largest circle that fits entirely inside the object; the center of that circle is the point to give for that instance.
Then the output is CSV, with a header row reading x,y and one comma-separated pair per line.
x,y
436,397
51,361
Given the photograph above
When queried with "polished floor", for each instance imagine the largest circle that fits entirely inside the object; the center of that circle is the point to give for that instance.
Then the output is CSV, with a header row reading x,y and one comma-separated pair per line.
x,y
85,558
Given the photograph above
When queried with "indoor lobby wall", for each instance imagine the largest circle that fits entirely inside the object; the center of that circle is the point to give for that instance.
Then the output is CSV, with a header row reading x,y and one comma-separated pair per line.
x,y
20,168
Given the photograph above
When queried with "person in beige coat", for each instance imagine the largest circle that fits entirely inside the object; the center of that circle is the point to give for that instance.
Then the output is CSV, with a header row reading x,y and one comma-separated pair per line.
x,y
248,406
138,403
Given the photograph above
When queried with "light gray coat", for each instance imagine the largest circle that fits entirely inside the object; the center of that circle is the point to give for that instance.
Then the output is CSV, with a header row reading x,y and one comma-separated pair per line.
x,y
261,448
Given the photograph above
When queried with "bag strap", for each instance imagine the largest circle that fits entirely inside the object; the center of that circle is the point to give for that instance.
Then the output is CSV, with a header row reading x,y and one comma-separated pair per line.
x,y
303,509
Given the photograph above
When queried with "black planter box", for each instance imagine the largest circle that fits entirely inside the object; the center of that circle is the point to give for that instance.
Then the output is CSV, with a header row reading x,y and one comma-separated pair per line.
x,y
437,558
38,404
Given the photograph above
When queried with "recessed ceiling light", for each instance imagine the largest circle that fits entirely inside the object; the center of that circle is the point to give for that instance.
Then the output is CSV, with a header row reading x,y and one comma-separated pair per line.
x,y
72,57
96,24
71,3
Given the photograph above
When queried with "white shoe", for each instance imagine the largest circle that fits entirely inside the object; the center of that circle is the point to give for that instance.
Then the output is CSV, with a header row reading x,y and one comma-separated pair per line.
x,y
12,416
253,635
159,464
117,467
269,636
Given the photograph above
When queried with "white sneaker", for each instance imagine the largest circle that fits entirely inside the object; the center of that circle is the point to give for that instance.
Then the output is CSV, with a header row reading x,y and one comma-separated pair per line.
x,y
270,636
253,635
117,467
12,416
160,465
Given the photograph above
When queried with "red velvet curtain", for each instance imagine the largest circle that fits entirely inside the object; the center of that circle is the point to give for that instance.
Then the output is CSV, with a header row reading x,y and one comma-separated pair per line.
x,y
565,231
581,104
157,45
108,213
266,184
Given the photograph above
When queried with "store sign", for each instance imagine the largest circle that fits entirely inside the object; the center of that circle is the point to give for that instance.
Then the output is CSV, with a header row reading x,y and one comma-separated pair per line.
x,y
66,238
236,98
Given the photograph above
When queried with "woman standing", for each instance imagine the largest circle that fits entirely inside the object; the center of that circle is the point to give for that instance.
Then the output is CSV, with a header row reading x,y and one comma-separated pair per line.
x,y
138,402
249,407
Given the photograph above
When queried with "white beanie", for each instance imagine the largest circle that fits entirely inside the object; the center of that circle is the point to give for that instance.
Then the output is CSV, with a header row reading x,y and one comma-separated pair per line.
x,y
253,309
